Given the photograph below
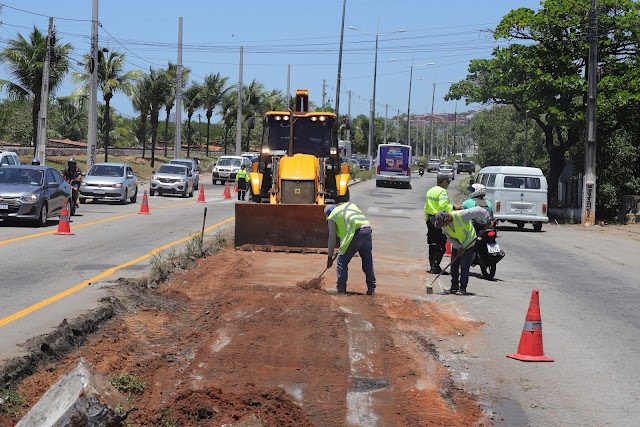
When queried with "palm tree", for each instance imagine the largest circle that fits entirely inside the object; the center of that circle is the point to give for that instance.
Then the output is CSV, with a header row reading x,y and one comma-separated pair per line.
x,y
24,60
192,101
172,71
274,101
213,89
141,106
228,110
253,103
155,88
111,80
73,118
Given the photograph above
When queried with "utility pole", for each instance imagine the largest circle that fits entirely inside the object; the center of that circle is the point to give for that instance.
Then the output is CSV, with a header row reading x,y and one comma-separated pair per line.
x,y
589,187
239,117
349,119
455,124
433,98
526,139
179,93
324,92
398,126
424,138
344,9
386,114
92,135
370,136
199,126
409,107
41,145
288,86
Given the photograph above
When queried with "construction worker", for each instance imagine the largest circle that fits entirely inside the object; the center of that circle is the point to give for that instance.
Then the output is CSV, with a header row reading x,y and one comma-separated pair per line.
x,y
460,232
347,222
436,200
242,179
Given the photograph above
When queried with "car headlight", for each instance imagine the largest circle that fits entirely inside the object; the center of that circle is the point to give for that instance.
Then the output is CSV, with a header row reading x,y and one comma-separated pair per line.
x,y
30,198
215,169
153,177
118,185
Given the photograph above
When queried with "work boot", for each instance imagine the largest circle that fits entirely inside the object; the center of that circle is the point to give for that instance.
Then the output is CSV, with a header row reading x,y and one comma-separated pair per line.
x,y
341,290
371,292
462,291
435,269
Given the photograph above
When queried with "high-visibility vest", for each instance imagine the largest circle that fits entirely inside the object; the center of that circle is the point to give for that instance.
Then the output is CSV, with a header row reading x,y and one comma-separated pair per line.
x,y
436,200
242,174
348,218
459,230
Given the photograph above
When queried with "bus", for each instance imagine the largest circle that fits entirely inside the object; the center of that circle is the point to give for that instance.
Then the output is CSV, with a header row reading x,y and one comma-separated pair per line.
x,y
393,165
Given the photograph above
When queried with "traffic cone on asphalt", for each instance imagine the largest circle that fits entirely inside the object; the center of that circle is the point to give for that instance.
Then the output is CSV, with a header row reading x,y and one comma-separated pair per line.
x,y
227,191
63,225
144,207
447,249
235,187
530,347
201,195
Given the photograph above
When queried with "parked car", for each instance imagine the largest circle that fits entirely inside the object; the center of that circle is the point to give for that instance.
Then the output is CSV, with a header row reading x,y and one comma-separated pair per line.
x,y
433,165
109,181
172,179
445,171
363,164
253,157
191,164
466,166
8,158
33,193
227,167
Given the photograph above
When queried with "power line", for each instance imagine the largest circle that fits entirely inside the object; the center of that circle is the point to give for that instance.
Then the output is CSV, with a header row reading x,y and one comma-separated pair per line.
x,y
43,15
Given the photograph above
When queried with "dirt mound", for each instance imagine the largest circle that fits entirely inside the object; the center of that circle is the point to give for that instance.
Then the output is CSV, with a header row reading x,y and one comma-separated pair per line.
x,y
234,339
315,283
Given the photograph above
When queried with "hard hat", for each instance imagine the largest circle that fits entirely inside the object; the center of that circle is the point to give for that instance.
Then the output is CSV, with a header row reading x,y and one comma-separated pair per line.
x,y
328,209
35,161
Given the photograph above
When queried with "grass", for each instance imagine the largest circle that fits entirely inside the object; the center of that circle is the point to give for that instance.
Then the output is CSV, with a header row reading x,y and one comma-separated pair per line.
x,y
10,401
128,384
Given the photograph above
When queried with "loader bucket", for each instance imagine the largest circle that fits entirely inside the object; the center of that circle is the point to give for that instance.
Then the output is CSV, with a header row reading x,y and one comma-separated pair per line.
x,y
280,226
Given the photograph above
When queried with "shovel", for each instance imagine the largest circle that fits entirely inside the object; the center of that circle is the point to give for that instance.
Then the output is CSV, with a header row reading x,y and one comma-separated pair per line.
x,y
430,285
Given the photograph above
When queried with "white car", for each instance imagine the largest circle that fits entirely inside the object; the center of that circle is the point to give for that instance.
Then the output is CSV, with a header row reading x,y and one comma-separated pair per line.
x,y
109,181
227,167
446,171
172,179
193,165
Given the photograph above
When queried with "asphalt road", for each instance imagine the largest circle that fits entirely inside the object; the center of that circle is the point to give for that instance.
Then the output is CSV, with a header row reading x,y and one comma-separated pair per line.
x,y
587,279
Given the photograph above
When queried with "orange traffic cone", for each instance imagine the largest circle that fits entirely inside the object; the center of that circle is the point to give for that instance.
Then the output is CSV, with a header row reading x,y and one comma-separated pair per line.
x,y
447,249
63,224
144,208
530,347
201,195
227,191
235,187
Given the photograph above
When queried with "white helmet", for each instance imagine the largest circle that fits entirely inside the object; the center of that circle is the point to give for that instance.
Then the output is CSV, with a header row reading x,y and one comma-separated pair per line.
x,y
479,191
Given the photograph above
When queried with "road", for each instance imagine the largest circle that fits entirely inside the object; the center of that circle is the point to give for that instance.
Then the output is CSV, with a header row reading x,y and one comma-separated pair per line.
x,y
587,279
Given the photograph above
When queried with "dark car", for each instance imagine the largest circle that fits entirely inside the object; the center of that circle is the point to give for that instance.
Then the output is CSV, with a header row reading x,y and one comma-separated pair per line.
x,y
466,166
33,193
363,164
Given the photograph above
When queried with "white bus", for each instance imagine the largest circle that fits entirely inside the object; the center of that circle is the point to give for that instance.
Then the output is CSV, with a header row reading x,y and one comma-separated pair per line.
x,y
393,164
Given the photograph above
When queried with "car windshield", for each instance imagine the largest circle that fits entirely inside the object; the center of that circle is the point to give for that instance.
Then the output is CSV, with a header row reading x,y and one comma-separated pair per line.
x,y
181,162
170,169
229,162
106,170
445,167
21,176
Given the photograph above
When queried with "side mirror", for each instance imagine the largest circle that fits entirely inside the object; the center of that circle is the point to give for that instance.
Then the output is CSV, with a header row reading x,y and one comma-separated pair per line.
x,y
52,184
130,176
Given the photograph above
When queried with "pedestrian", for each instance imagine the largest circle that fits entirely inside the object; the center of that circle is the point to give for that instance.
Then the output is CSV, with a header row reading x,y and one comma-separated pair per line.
x,y
458,228
242,179
347,222
436,200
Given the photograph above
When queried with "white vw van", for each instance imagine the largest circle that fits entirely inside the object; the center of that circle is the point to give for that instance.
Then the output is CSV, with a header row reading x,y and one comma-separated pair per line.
x,y
518,194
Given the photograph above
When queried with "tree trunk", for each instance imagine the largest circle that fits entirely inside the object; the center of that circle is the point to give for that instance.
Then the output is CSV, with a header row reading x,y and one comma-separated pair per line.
x,y
143,138
208,126
166,132
188,135
226,138
154,135
106,119
35,110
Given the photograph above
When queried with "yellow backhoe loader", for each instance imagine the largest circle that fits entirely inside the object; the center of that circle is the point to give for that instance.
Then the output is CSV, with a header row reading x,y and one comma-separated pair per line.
x,y
298,172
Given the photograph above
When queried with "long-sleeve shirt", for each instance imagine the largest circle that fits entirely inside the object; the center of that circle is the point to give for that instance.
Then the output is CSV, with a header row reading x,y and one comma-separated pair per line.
x,y
467,215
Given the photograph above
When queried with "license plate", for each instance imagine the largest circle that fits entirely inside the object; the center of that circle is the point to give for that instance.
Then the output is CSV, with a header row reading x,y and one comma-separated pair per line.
x,y
99,191
4,206
218,182
493,248
166,187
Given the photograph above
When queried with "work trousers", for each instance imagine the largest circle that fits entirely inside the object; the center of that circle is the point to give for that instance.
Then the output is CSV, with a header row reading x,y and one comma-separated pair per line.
x,y
362,245
242,188
437,241
460,268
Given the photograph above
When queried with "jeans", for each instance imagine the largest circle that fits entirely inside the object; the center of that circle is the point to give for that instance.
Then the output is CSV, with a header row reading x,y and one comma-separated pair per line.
x,y
361,244
460,267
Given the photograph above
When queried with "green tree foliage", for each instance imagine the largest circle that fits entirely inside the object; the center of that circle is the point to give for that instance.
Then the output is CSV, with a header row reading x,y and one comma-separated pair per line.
x,y
153,91
172,71
213,89
15,123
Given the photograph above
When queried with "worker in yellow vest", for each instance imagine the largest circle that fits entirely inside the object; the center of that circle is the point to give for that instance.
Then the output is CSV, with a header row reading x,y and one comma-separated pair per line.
x,y
242,179
458,228
436,200
347,222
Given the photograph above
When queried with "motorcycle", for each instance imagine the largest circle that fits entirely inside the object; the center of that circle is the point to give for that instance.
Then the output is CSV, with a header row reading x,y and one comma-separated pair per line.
x,y
488,253
75,193
421,170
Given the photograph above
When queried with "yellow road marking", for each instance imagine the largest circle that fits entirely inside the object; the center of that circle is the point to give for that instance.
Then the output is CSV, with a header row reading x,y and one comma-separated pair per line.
x,y
86,224
101,276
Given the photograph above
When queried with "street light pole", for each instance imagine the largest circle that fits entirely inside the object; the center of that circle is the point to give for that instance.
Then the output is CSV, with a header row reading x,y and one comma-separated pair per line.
x,y
409,108
433,98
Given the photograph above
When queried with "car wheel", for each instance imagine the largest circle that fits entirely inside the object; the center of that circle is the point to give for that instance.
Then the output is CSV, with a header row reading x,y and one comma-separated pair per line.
x,y
82,200
152,193
537,226
126,196
42,217
185,192
197,185
520,225
134,198
191,192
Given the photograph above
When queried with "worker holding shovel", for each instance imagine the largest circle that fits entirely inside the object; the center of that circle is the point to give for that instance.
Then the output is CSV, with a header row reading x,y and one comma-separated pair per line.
x,y
347,222
458,228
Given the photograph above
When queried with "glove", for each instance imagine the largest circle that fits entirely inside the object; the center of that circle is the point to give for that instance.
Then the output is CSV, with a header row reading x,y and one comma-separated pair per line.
x,y
329,262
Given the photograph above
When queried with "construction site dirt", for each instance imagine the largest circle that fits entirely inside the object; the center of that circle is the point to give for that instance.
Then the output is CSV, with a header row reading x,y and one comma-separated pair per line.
x,y
237,341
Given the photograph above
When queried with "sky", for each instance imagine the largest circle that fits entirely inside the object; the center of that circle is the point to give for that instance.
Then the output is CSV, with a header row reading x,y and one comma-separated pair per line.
x,y
441,38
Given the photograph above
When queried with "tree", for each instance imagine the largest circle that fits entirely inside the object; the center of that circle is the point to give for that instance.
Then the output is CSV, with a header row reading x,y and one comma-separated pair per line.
x,y
111,79
228,110
544,76
141,105
154,90
252,104
172,71
69,119
213,89
192,101
24,60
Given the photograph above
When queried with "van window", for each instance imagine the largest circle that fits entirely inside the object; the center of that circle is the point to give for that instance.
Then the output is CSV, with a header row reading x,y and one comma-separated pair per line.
x,y
492,180
522,182
484,179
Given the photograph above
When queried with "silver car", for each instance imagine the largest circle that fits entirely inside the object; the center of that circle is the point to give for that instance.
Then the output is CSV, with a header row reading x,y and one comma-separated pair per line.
x,y
446,171
191,164
33,193
109,181
172,179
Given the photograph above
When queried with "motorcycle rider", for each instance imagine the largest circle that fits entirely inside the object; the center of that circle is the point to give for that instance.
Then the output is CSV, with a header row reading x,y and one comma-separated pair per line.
x,y
477,198
72,174
35,161
421,169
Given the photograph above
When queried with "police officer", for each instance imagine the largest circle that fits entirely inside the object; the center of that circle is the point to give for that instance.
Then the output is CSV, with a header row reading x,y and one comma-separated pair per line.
x,y
242,179
436,200
348,223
